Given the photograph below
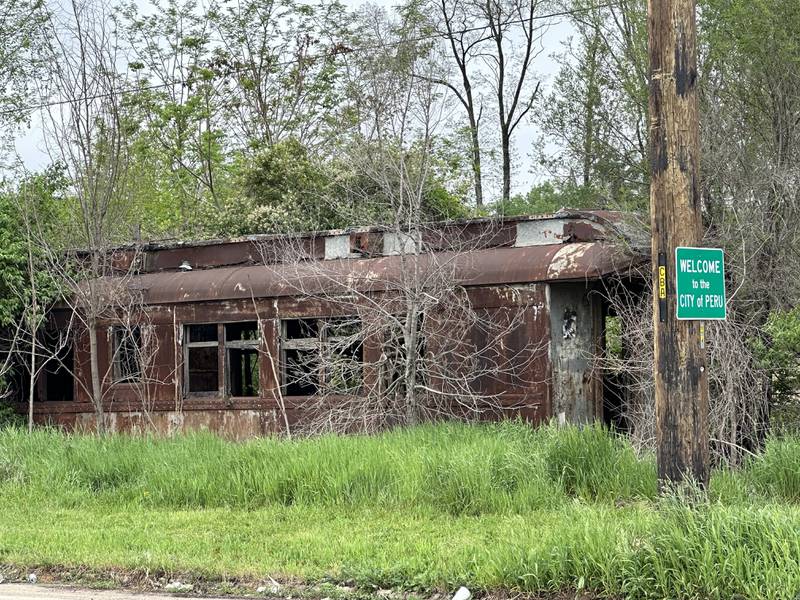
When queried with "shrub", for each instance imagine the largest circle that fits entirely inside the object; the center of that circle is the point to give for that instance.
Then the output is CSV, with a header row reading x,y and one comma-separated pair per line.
x,y
10,417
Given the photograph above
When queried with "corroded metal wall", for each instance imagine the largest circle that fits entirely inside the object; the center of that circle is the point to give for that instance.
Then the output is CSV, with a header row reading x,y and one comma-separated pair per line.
x,y
547,264
575,315
164,407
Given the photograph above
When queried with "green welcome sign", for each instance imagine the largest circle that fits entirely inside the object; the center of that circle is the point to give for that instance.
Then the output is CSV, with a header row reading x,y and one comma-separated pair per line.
x,y
700,283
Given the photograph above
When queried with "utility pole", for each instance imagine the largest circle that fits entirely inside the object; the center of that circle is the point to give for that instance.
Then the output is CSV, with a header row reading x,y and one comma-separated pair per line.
x,y
681,381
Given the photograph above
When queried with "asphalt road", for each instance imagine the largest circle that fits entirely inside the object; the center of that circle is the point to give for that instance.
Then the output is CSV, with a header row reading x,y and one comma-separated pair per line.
x,y
26,591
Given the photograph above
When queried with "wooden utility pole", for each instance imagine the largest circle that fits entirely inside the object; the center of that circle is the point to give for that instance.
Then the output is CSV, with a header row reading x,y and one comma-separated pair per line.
x,y
681,381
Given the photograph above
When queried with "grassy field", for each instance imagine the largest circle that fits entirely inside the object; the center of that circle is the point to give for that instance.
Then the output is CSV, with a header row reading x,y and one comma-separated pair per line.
x,y
491,507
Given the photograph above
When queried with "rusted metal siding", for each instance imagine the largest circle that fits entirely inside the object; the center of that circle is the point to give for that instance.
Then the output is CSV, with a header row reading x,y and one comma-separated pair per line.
x,y
496,266
527,395
229,282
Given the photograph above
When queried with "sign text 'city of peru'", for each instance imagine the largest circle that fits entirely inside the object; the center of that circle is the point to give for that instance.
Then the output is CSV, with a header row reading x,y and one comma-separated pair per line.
x,y
700,283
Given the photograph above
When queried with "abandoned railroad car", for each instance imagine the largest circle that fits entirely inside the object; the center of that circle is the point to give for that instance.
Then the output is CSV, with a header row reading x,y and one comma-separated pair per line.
x,y
232,319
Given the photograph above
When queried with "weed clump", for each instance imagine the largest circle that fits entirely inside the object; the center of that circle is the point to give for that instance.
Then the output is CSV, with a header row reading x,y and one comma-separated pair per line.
x,y
593,463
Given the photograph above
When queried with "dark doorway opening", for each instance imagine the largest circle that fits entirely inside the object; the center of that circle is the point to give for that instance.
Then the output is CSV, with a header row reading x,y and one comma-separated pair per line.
x,y
614,379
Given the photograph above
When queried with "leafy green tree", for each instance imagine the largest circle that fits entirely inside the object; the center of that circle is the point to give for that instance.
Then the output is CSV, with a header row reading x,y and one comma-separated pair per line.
x,y
597,109
40,199
363,196
288,190
29,211
12,262
178,147
547,198
750,102
22,39
778,351
277,63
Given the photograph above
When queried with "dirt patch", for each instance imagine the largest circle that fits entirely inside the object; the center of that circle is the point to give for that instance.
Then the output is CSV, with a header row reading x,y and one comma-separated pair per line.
x,y
194,585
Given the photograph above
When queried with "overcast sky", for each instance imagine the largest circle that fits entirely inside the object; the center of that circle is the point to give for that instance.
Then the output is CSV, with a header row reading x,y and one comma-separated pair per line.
x,y
30,148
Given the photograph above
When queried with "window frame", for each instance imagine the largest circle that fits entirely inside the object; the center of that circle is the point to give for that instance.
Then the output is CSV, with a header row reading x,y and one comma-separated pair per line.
x,y
118,333
187,345
314,344
227,345
222,345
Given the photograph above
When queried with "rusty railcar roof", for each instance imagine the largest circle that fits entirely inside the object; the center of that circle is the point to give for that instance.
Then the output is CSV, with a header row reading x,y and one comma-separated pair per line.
x,y
494,266
565,226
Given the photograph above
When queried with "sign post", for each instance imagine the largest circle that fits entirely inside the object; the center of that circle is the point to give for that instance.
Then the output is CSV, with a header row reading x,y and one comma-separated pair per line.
x,y
700,284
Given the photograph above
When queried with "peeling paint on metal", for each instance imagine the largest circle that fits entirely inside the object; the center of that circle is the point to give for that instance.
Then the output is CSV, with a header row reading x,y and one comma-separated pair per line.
x,y
539,233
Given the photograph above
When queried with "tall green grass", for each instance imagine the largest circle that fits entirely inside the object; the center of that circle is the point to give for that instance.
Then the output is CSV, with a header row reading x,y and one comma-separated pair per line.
x,y
460,469
490,506
775,473
500,468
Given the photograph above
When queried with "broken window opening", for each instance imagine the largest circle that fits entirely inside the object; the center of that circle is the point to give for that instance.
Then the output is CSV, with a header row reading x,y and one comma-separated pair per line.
x,y
343,353
569,325
127,353
395,355
299,357
321,356
59,383
242,349
201,359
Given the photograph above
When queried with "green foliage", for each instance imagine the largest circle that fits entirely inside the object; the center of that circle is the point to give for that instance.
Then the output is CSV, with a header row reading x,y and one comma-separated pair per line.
x,y
288,190
495,506
29,210
22,56
613,337
597,109
441,205
270,59
9,418
13,259
546,198
779,353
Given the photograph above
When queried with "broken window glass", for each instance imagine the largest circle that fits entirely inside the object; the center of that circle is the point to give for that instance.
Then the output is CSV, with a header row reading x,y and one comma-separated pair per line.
x,y
321,355
127,354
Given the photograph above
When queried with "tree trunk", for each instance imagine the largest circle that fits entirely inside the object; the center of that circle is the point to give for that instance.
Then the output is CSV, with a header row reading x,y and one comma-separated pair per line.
x,y
33,327
94,367
592,99
505,140
681,382
476,158
32,391
411,358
